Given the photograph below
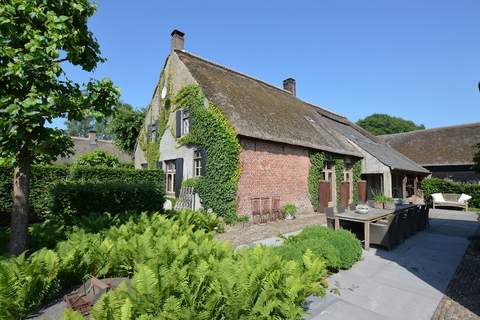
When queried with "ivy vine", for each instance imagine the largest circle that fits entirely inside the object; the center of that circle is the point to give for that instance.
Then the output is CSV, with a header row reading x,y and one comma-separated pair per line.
x,y
315,173
211,131
339,170
357,172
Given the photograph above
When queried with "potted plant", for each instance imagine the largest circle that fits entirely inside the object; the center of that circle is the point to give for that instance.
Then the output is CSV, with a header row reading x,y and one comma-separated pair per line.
x,y
381,201
289,209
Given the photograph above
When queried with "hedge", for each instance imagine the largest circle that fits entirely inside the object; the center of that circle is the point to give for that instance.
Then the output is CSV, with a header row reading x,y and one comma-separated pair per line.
x,y
69,199
436,185
43,177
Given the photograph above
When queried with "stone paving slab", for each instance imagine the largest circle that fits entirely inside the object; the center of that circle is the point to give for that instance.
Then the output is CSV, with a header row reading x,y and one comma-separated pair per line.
x,y
405,283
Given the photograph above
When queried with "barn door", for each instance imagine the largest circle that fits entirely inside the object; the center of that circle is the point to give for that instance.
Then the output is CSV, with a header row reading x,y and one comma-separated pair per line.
x,y
324,194
345,194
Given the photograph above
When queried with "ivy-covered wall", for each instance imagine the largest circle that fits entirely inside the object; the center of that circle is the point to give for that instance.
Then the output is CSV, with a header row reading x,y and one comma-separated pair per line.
x,y
316,173
211,131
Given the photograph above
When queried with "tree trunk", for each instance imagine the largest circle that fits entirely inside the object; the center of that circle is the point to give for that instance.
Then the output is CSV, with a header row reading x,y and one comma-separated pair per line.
x,y
19,219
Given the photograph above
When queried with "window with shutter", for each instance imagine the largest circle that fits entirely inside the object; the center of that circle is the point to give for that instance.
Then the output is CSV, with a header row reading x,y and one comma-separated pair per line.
x,y
178,175
178,123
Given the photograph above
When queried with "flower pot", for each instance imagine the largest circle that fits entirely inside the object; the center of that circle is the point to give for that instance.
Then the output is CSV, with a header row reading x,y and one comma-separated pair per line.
x,y
378,205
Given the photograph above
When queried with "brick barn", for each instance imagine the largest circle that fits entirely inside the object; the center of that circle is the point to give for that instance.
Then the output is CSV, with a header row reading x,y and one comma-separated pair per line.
x,y
277,133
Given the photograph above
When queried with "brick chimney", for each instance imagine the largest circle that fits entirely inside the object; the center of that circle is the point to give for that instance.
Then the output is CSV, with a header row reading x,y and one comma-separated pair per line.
x,y
92,136
178,40
290,85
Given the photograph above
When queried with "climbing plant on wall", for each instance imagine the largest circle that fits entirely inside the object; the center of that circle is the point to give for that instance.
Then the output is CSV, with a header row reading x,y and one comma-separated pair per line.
x,y
357,172
211,131
339,170
151,148
315,174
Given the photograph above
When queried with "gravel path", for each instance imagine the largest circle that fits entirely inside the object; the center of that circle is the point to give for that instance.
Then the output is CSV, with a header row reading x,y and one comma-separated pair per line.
x,y
462,299
241,234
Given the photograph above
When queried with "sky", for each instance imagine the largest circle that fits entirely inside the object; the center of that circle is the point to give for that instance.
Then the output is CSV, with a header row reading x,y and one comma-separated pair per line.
x,y
416,59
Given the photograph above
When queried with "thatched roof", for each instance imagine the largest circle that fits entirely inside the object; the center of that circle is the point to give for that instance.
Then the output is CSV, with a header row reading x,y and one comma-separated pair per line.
x,y
85,145
439,146
260,110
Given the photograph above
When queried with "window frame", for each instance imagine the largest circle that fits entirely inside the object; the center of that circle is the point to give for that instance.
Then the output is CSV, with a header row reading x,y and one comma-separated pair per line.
x,y
170,175
197,163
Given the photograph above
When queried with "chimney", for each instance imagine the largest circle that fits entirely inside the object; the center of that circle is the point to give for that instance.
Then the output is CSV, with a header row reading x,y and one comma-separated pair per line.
x,y
177,40
290,86
92,136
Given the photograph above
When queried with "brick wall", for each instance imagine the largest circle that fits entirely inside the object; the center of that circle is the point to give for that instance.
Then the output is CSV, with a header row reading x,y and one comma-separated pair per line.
x,y
271,169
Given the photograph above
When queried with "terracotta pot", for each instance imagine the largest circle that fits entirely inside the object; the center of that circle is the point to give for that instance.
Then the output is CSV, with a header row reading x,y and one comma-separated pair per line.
x,y
378,205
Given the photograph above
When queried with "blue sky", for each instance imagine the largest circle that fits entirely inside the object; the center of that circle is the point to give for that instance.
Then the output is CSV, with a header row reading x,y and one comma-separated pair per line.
x,y
415,59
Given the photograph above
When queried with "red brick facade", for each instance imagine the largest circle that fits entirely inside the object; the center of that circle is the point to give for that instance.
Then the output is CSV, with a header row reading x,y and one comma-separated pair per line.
x,y
269,169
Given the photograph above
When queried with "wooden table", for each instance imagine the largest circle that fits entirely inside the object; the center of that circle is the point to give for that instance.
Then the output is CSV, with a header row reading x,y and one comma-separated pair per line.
x,y
365,218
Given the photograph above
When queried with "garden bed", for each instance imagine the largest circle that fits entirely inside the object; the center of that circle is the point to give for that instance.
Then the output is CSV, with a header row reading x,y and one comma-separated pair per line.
x,y
248,233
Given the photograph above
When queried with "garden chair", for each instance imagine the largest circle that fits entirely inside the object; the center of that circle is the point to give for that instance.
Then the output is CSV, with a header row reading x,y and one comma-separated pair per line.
x,y
83,300
256,212
330,214
276,210
402,224
385,232
412,221
265,210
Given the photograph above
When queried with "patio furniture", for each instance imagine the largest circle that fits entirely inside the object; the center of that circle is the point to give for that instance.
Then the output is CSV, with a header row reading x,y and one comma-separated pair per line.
x,y
403,224
412,221
256,212
330,214
367,219
385,232
450,200
83,300
276,210
265,210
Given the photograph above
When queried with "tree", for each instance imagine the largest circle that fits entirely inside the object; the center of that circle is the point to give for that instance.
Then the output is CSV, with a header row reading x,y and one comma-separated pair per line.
x,y
36,38
476,158
378,124
125,126
80,128
98,158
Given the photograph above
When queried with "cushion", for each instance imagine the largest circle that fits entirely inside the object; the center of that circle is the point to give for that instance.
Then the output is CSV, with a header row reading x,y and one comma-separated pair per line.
x,y
438,197
464,198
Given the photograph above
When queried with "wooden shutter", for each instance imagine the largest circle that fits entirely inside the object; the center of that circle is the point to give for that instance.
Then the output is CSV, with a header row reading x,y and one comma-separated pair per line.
x,y
203,161
178,175
178,122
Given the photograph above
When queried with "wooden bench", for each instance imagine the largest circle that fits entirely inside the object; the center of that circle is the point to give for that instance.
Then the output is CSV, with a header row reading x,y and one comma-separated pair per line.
x,y
450,200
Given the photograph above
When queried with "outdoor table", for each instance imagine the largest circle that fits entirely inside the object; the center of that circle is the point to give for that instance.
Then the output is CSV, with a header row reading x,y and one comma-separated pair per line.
x,y
366,218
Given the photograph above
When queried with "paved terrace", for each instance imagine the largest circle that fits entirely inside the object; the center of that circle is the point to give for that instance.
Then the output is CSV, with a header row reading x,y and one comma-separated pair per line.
x,y
407,282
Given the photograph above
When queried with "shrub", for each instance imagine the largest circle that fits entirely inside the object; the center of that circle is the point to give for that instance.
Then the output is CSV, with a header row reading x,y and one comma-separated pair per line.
x,y
340,249
98,158
43,178
201,220
436,185
178,273
68,199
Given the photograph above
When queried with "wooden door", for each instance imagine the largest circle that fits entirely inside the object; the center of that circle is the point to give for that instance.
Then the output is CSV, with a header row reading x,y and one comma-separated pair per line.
x,y
324,194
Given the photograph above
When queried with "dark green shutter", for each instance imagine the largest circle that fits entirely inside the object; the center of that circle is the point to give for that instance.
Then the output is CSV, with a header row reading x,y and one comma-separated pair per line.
x,y
178,175
178,122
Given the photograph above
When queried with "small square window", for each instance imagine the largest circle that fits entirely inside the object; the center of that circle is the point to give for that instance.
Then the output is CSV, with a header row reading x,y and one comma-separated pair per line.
x,y
170,171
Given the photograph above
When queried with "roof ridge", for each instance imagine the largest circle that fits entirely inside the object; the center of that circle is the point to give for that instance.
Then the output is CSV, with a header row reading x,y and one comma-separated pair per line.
x,y
472,124
260,81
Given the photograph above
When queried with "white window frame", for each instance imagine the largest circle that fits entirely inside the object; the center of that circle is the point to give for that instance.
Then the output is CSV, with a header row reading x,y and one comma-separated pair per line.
x,y
197,163
170,173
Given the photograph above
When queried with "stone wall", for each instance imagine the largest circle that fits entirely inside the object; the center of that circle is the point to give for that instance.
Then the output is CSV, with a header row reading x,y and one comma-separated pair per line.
x,y
269,169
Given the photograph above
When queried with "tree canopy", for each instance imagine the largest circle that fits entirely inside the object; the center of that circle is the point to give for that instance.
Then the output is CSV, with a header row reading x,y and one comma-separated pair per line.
x,y
125,126
36,38
81,128
378,124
